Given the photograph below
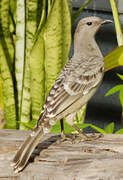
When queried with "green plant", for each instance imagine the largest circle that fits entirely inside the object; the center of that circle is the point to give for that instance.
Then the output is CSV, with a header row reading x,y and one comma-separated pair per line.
x,y
119,35
108,130
35,39
118,88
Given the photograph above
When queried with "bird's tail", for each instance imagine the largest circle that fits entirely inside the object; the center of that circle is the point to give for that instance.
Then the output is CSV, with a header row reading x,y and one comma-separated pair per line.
x,y
23,154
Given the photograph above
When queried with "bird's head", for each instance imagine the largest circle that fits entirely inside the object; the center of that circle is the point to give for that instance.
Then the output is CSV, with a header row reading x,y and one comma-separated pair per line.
x,y
84,37
90,25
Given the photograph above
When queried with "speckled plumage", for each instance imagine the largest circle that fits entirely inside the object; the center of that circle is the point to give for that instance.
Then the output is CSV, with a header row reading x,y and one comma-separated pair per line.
x,y
73,88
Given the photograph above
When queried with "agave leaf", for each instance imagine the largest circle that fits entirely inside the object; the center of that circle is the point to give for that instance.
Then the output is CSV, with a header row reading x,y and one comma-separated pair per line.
x,y
77,13
114,90
20,47
12,17
43,17
118,27
80,115
66,31
13,8
5,35
31,27
8,92
37,77
2,114
120,76
85,125
1,93
6,64
114,59
37,69
98,129
57,36
109,128
121,97
27,125
120,131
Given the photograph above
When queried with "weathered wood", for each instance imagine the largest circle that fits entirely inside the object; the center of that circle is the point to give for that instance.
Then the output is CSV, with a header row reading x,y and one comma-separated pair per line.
x,y
100,159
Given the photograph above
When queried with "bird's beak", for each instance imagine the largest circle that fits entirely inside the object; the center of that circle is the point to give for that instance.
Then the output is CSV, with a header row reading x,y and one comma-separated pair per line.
x,y
107,21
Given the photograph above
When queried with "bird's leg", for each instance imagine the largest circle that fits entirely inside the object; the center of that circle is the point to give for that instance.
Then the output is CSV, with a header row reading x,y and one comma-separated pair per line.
x,y
67,137
62,127
63,135
79,131
82,136
73,137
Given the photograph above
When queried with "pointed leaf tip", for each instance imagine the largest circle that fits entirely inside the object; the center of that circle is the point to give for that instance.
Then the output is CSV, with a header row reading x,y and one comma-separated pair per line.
x,y
114,90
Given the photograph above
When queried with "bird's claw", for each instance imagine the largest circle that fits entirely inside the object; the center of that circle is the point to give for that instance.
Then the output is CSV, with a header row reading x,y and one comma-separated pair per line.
x,y
81,138
67,138
78,138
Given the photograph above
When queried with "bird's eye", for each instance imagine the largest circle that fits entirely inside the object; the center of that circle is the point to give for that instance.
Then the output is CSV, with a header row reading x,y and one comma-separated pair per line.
x,y
89,23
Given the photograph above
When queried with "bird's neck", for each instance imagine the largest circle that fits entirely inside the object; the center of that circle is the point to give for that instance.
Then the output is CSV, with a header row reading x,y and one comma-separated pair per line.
x,y
87,46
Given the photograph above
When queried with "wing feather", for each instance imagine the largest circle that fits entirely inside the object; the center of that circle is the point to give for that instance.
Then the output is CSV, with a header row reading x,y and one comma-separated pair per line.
x,y
72,84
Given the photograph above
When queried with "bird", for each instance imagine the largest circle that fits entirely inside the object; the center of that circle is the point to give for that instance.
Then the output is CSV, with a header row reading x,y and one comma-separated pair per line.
x,y
75,85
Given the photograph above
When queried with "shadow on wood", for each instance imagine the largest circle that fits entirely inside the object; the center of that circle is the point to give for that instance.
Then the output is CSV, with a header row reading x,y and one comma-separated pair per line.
x,y
100,159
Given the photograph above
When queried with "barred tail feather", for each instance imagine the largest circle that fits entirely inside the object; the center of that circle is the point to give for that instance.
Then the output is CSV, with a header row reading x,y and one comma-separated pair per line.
x,y
23,154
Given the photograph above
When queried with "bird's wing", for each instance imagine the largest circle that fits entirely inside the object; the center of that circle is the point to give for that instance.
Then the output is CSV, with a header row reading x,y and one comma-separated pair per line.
x,y
85,76
75,80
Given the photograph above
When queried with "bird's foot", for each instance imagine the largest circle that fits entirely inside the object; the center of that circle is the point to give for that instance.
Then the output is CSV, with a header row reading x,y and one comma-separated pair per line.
x,y
83,137
77,138
66,138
